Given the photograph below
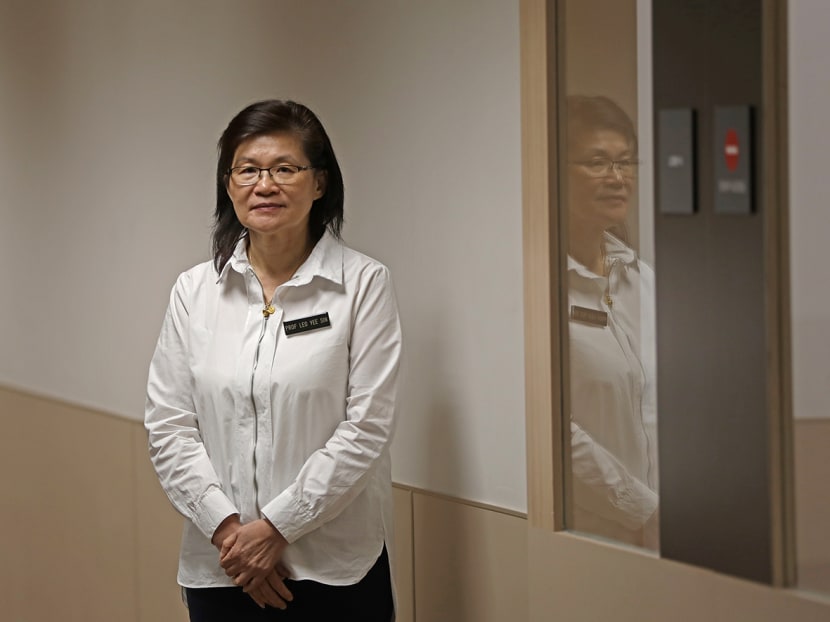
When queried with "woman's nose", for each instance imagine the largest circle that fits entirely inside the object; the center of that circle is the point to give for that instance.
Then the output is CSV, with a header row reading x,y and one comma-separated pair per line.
x,y
614,176
266,183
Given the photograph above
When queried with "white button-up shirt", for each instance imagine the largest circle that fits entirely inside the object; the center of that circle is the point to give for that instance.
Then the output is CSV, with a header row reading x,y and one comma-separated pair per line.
x,y
246,416
613,396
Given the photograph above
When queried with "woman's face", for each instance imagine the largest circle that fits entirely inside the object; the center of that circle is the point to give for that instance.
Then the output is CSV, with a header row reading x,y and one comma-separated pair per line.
x,y
267,207
599,200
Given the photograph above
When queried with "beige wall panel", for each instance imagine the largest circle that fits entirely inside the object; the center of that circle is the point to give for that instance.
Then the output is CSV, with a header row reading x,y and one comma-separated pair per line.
x,y
580,580
159,529
66,484
812,503
588,581
470,563
404,579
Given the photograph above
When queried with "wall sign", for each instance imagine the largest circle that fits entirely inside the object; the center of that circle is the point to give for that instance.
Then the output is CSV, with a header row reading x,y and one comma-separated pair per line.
x,y
676,161
733,160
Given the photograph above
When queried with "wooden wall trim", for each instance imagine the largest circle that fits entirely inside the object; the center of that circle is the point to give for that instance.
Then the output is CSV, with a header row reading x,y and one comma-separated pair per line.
x,y
539,190
459,500
67,403
548,447
775,207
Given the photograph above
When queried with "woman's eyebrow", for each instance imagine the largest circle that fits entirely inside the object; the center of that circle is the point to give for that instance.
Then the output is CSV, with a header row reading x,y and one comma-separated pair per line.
x,y
280,159
599,152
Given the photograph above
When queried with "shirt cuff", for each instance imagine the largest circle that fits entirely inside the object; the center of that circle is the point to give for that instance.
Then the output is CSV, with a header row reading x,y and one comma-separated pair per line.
x,y
637,505
211,509
289,515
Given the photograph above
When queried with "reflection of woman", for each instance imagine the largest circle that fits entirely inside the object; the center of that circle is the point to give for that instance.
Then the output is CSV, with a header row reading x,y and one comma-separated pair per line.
x,y
271,394
610,299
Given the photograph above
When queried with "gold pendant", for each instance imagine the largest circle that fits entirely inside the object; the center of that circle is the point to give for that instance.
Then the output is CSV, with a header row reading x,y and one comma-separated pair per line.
x,y
269,310
608,300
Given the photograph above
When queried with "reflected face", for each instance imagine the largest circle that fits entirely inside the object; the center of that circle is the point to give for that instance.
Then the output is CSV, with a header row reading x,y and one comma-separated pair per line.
x,y
267,207
599,201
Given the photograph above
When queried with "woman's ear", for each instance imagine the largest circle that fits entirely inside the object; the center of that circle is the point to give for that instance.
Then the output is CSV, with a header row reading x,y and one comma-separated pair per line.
x,y
320,180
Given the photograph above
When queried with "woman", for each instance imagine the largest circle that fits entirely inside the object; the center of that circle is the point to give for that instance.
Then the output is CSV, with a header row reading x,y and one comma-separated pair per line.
x,y
610,298
272,391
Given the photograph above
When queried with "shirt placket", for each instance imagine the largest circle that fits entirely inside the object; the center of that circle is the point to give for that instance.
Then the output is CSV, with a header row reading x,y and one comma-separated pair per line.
x,y
634,363
262,392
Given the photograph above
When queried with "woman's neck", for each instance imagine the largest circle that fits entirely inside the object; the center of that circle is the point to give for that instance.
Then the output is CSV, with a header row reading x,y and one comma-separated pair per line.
x,y
276,259
586,245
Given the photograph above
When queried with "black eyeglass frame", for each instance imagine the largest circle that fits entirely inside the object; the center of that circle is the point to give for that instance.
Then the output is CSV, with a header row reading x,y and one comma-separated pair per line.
x,y
271,172
610,166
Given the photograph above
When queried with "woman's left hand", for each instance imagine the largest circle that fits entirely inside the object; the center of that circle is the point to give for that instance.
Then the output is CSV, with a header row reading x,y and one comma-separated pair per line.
x,y
252,553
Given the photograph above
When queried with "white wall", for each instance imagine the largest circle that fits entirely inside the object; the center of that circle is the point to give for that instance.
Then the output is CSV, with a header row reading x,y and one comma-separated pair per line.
x,y
809,48
109,114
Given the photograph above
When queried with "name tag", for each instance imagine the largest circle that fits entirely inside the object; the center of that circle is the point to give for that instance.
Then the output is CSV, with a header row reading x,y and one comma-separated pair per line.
x,y
305,324
589,316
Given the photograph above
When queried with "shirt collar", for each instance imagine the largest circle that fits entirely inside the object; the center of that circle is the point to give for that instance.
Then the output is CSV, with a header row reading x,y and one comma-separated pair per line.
x,y
615,249
325,261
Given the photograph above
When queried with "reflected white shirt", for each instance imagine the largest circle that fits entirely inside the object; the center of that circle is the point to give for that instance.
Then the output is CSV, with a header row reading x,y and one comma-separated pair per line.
x,y
613,397
245,419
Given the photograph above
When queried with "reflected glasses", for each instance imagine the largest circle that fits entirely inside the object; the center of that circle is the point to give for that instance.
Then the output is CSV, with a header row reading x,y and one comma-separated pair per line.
x,y
283,174
601,167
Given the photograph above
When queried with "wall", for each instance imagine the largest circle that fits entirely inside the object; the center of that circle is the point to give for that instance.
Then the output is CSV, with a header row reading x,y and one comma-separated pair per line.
x,y
120,106
110,113
711,291
809,100
809,217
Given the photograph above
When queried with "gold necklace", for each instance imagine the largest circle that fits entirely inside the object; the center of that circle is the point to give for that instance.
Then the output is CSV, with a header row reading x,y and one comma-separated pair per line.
x,y
607,267
268,307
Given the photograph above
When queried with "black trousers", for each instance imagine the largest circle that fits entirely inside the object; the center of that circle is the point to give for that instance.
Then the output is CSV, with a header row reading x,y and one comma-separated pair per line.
x,y
369,600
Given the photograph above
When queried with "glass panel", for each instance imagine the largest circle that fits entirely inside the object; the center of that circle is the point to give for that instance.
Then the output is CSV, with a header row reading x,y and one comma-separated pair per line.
x,y
809,51
610,297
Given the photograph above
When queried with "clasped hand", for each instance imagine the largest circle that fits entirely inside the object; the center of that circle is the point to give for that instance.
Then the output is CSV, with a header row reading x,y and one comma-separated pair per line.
x,y
251,555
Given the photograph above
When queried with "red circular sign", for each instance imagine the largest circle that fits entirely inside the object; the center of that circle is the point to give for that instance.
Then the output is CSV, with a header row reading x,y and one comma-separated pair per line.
x,y
731,150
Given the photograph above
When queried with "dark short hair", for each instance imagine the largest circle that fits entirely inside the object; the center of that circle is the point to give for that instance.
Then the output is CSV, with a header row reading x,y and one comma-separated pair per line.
x,y
590,113
275,116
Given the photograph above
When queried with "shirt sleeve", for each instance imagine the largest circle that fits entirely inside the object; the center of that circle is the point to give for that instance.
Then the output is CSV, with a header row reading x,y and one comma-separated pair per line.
x,y
337,473
604,487
176,449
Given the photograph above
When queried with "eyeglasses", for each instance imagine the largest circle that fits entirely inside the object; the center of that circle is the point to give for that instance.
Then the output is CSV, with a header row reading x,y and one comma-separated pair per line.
x,y
600,167
283,174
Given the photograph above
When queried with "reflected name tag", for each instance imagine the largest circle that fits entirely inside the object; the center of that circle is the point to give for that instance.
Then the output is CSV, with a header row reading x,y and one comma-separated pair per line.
x,y
305,324
589,316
